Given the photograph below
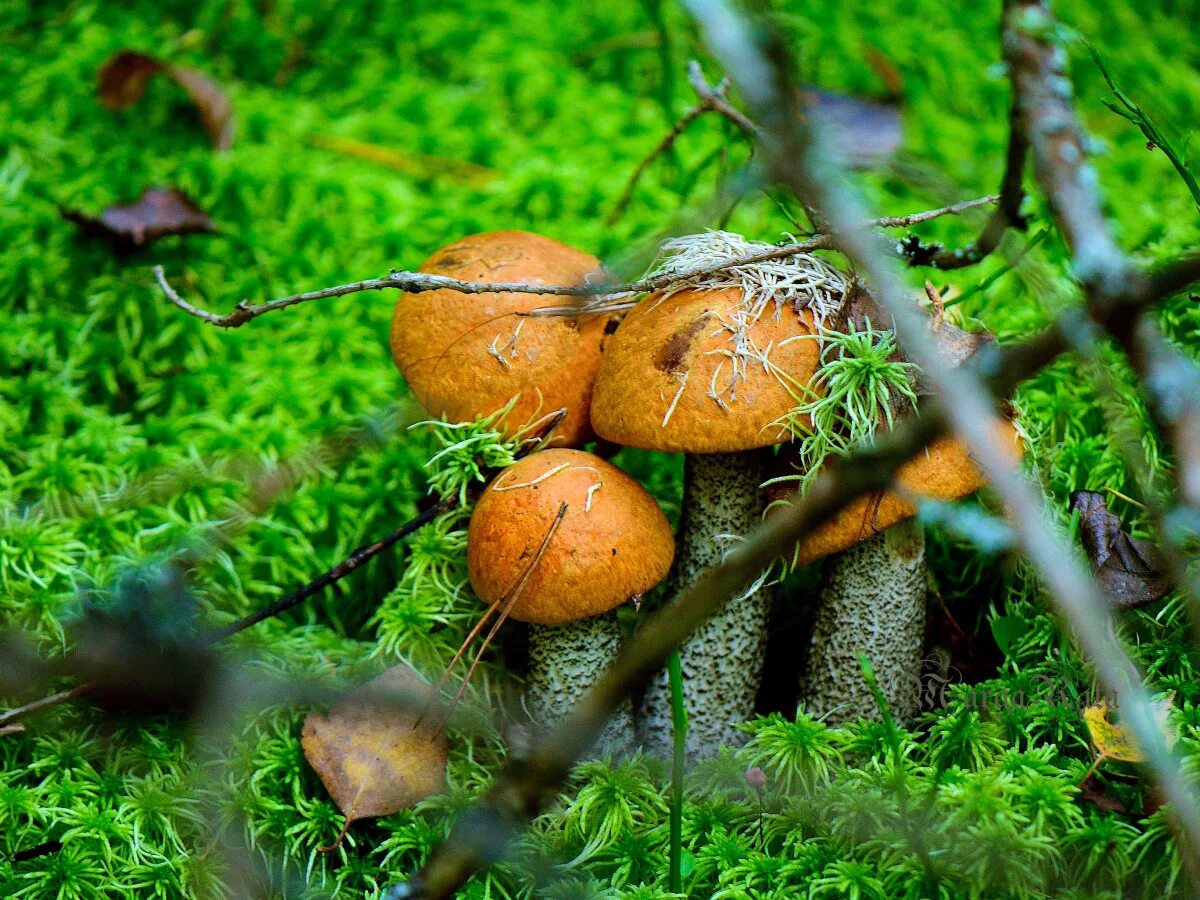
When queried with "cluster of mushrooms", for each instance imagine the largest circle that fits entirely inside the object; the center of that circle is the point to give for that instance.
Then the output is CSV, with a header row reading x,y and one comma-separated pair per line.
x,y
563,537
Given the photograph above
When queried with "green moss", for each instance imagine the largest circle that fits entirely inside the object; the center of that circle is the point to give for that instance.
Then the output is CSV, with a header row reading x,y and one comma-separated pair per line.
x,y
127,429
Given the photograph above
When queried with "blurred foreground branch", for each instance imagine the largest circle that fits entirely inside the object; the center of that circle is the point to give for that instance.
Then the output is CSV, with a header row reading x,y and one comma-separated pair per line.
x,y
965,400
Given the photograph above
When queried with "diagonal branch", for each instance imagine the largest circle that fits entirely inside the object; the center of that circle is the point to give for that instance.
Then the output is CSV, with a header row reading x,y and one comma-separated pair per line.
x,y
1046,116
711,99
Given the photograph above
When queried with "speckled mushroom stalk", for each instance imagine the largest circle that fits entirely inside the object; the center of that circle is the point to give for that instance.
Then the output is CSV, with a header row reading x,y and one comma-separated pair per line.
x,y
872,601
722,663
566,571
564,661
873,590
708,368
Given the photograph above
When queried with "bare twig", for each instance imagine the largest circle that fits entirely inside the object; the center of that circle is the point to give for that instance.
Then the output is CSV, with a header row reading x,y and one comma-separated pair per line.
x,y
1007,215
714,98
417,282
663,146
955,209
13,715
711,99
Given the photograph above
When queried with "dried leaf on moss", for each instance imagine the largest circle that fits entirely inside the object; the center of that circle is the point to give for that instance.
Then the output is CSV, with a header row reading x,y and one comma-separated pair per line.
x,y
1132,570
157,213
1111,739
377,757
122,82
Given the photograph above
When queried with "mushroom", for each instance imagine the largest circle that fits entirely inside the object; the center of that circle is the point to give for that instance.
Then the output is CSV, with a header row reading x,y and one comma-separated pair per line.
x,y
560,539
872,598
707,368
469,355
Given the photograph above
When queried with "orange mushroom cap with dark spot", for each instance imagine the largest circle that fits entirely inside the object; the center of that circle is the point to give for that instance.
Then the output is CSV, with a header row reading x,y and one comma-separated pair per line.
x,y
613,543
468,355
667,380
944,472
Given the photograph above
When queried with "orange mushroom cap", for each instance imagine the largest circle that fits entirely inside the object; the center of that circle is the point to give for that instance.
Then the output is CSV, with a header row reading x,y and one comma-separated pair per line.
x,y
667,381
468,355
612,544
944,472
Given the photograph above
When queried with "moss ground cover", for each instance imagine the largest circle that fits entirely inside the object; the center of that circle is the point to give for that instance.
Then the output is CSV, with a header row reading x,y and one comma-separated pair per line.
x,y
125,427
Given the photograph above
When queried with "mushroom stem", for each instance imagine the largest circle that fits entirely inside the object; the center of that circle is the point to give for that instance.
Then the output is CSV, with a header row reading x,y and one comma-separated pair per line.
x,y
872,601
722,662
564,660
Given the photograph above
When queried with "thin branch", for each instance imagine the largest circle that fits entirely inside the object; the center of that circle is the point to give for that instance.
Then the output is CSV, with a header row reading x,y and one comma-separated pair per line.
x,y
711,99
663,146
1128,108
1007,215
13,715
417,282
955,209
714,98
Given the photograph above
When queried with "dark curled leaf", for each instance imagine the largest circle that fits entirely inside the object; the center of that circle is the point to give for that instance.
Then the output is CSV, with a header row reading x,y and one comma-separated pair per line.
x,y
123,79
159,212
1132,570
1091,791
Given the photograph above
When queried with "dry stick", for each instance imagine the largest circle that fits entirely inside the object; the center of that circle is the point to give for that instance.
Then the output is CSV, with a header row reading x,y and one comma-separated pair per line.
x,y
1007,215
418,282
354,561
508,603
1047,118
711,100
12,715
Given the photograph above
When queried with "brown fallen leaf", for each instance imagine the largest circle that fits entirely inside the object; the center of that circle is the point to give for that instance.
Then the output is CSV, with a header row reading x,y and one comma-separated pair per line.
x,y
123,78
1132,570
1092,791
888,72
376,758
157,213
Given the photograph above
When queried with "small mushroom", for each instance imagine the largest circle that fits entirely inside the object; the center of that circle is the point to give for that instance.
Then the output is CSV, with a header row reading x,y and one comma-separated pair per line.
x,y
873,589
468,355
709,372
560,539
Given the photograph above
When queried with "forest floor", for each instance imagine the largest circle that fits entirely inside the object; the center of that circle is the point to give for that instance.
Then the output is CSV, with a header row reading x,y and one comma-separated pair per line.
x,y
127,429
